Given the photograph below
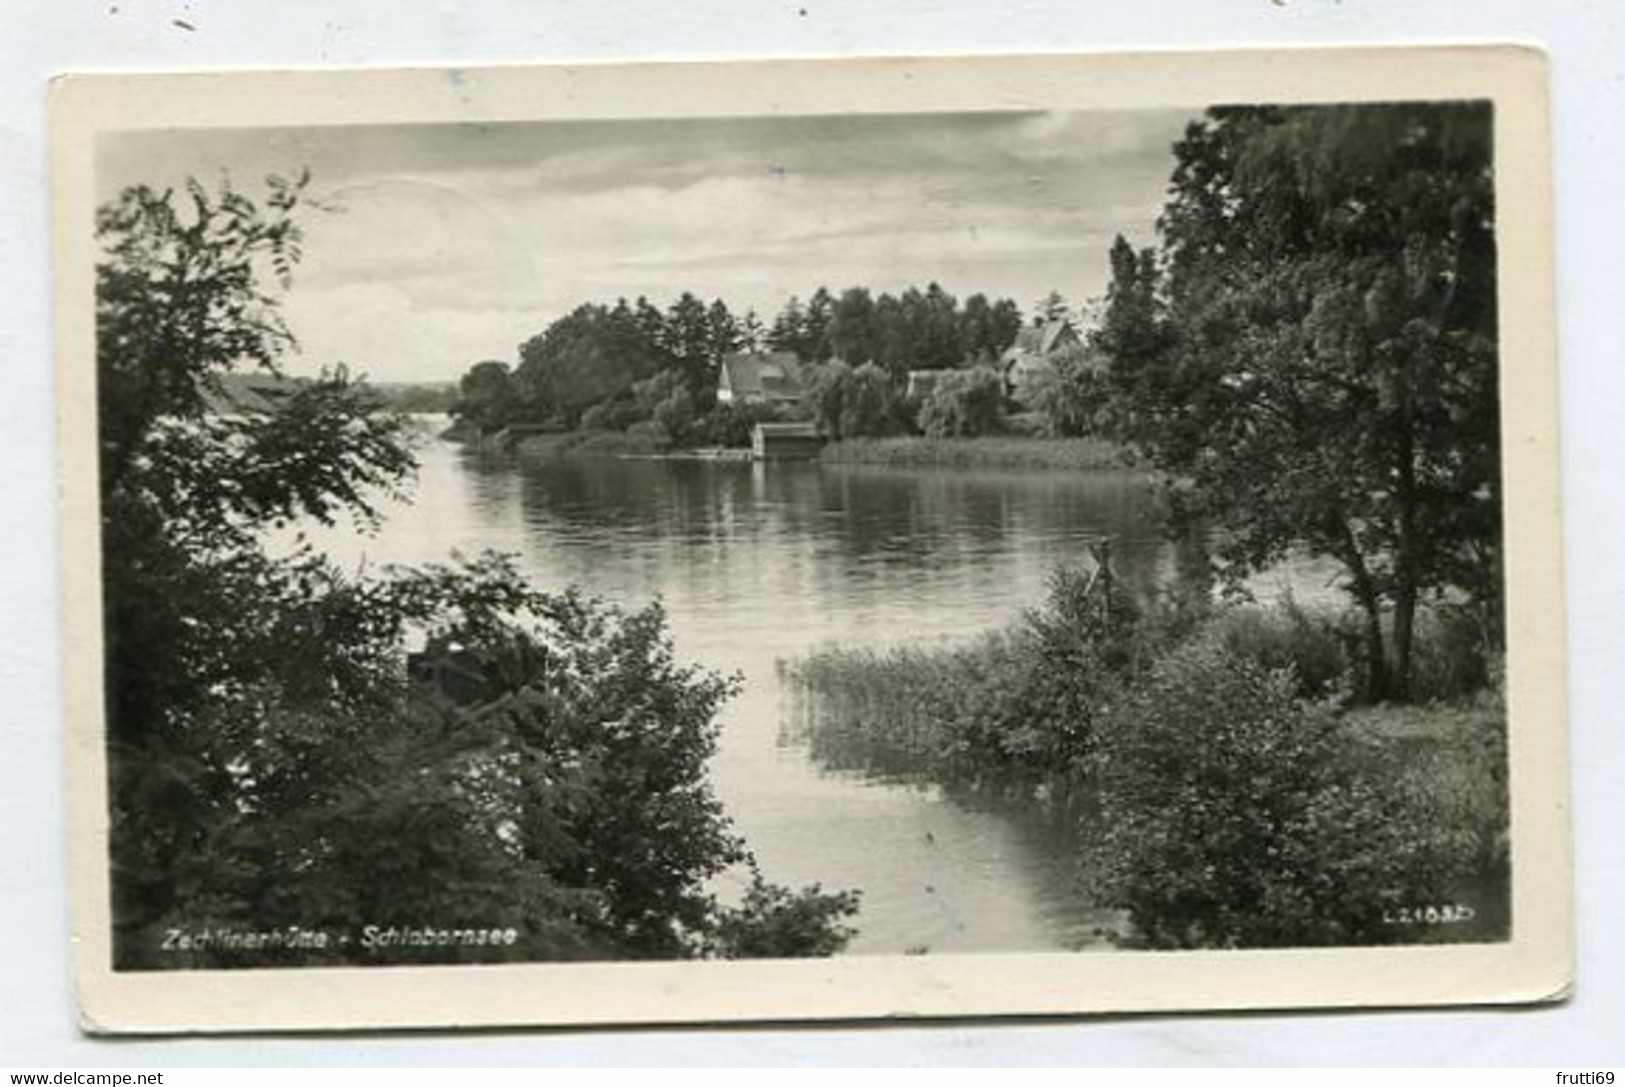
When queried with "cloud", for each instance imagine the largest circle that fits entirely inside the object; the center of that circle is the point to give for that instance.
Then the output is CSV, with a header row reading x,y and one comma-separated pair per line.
x,y
455,242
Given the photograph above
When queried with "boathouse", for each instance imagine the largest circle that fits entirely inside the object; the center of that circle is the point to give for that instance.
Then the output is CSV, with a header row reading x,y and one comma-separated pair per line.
x,y
785,441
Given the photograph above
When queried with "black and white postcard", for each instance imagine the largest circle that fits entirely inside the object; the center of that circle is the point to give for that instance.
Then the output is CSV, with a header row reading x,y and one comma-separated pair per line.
x,y
815,539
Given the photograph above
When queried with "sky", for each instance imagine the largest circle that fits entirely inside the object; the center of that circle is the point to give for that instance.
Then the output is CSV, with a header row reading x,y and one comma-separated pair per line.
x,y
444,245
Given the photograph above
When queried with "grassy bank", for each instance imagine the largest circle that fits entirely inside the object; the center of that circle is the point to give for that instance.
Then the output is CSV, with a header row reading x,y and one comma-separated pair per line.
x,y
592,443
1206,764
995,452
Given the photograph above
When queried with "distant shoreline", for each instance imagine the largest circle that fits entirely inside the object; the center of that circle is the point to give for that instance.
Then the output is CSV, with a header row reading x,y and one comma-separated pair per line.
x,y
1072,454
1006,452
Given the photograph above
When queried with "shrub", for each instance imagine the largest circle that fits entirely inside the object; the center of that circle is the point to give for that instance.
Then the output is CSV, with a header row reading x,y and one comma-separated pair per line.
x,y
1451,656
1234,814
651,391
650,431
964,404
860,403
676,415
776,923
730,425
1011,712
1287,637
1071,396
870,404
612,415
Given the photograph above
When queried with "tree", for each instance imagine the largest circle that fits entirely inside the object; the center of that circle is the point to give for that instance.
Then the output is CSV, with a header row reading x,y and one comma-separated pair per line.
x,y
941,342
1133,335
815,328
488,397
964,404
590,355
852,327
691,343
1052,307
827,388
1324,371
987,329
1074,394
538,765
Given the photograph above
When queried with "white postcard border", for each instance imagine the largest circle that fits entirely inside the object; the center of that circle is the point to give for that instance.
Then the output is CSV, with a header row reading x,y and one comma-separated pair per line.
x,y
1535,965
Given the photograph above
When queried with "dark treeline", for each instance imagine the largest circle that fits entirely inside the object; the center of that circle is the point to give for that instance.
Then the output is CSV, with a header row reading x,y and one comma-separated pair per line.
x,y
614,366
914,330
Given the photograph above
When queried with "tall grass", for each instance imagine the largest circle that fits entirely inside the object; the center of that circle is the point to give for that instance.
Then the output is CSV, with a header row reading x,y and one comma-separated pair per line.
x,y
1075,454
1219,783
1008,713
594,443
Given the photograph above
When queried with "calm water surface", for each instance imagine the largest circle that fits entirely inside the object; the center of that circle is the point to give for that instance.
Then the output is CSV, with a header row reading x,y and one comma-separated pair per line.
x,y
757,563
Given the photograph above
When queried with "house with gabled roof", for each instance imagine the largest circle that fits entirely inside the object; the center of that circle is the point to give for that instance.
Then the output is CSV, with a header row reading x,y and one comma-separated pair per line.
x,y
1033,353
749,377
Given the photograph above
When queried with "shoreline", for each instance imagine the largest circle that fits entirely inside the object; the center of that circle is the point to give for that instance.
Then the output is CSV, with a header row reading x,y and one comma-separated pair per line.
x,y
1049,454
1041,454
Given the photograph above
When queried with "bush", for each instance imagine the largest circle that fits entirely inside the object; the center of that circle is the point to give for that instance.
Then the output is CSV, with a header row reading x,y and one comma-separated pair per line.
x,y
860,403
730,425
1010,713
612,415
777,923
676,415
1234,814
1071,396
1451,656
964,404
650,431
1287,637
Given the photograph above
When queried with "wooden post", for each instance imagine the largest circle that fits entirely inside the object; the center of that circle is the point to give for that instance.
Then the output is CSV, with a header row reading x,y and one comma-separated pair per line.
x,y
1102,552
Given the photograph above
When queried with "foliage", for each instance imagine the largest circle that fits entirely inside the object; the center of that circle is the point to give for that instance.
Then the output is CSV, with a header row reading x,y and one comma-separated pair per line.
x,y
1073,396
869,404
731,424
1287,638
278,755
487,396
775,923
590,355
1012,712
599,357
643,439
599,353
1003,452
676,415
617,414
964,404
1313,355
1234,814
914,330
854,403
1200,764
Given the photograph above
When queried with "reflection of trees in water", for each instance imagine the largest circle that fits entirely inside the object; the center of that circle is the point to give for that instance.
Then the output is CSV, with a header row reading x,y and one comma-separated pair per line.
x,y
797,553
941,518
866,518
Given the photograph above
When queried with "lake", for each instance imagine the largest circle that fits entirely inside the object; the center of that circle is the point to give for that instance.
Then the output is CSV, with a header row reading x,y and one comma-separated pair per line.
x,y
759,563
